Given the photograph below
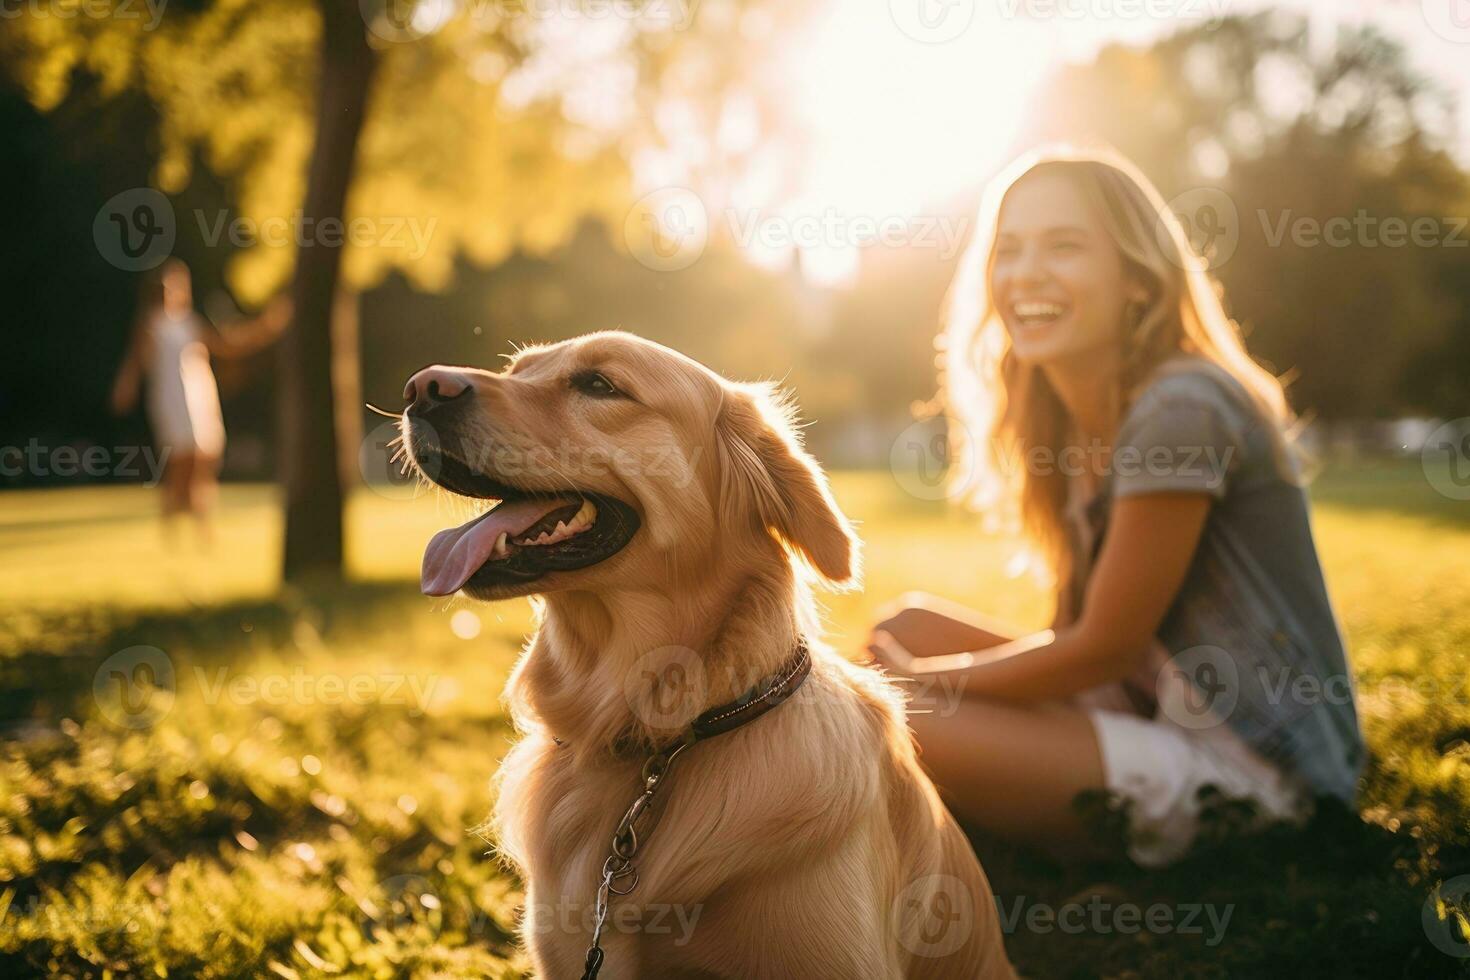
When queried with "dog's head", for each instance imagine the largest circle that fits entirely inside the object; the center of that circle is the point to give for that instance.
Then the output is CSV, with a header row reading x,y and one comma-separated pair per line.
x,y
614,461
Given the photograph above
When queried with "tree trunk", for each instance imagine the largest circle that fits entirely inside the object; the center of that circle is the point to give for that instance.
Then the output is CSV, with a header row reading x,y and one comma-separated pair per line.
x,y
347,384
309,407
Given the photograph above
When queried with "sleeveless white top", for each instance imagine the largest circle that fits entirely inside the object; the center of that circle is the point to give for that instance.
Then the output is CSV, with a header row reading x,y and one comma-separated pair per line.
x,y
183,401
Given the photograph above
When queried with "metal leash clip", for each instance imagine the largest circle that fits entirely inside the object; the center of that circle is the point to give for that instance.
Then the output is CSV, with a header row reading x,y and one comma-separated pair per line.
x,y
716,721
625,844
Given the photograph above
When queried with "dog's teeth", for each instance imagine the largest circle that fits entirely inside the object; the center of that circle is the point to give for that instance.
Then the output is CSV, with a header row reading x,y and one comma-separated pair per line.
x,y
565,529
500,550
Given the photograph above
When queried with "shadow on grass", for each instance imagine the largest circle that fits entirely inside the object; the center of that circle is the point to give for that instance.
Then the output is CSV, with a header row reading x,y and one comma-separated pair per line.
x,y
1340,897
1344,897
48,661
251,839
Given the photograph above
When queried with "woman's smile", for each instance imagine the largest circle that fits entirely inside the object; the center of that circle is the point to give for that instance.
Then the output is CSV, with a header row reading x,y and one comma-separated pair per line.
x,y
1037,314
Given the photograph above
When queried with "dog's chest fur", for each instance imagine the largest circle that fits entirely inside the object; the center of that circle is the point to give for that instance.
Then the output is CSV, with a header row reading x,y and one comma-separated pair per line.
x,y
743,806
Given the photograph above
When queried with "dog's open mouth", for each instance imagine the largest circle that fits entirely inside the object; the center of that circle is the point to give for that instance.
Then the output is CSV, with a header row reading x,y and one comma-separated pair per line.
x,y
525,535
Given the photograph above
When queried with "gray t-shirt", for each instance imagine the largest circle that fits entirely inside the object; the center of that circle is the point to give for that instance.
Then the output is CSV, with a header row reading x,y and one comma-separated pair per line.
x,y
1251,627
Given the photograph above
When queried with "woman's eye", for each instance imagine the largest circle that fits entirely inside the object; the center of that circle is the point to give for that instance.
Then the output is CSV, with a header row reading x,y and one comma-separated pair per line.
x,y
595,384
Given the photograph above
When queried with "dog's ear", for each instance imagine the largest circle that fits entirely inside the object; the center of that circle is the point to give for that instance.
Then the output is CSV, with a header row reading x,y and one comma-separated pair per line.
x,y
765,473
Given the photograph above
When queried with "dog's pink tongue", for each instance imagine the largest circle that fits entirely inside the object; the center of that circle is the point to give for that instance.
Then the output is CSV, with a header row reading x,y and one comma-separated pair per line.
x,y
456,553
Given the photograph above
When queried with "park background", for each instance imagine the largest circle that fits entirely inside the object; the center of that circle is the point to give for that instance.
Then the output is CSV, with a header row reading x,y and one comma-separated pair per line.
x,y
779,190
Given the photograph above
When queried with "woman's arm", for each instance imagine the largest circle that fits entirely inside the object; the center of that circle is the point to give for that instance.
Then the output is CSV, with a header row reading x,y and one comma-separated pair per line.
x,y
928,626
129,372
1150,543
246,336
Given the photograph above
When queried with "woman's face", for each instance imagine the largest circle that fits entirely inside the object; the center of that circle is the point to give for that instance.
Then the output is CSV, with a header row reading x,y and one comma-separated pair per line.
x,y
1057,278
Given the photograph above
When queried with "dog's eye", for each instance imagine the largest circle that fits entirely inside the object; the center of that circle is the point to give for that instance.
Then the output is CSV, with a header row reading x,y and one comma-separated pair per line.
x,y
594,384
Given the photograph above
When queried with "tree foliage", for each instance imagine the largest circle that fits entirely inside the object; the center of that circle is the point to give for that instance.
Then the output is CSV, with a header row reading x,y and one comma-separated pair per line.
x,y
498,130
484,127
1294,138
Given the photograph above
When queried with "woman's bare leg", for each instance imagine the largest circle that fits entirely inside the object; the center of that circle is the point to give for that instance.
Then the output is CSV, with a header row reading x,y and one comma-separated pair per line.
x,y
1013,770
203,490
178,477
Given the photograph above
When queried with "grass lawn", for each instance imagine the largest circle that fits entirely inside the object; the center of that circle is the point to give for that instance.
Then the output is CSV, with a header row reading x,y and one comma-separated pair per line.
x,y
297,795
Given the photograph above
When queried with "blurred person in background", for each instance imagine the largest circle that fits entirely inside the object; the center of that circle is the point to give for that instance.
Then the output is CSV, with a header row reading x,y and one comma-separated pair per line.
x,y
1101,399
171,345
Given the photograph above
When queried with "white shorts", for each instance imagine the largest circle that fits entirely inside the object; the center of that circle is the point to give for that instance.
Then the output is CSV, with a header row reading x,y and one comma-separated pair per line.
x,y
1161,767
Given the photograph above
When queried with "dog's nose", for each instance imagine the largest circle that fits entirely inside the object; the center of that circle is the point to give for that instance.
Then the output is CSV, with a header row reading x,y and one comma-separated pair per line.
x,y
434,386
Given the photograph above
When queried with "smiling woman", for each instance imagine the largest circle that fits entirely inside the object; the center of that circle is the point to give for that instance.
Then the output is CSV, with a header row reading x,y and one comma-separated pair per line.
x,y
1091,367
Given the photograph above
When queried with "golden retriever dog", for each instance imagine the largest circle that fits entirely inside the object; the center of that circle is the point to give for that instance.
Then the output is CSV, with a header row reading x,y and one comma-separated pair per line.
x,y
671,525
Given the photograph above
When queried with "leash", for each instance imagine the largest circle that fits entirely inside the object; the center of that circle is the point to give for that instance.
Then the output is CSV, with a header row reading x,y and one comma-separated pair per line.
x,y
718,720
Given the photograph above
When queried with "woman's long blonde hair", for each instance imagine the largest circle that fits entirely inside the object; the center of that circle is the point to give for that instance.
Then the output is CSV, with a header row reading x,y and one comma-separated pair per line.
x,y
1000,409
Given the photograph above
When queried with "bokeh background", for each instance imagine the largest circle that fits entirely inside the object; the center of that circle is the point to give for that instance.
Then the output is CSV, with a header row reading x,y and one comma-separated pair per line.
x,y
265,756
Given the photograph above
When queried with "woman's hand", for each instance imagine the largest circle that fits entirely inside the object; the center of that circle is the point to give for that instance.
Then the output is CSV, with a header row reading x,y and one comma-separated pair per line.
x,y
247,335
927,626
124,392
277,314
